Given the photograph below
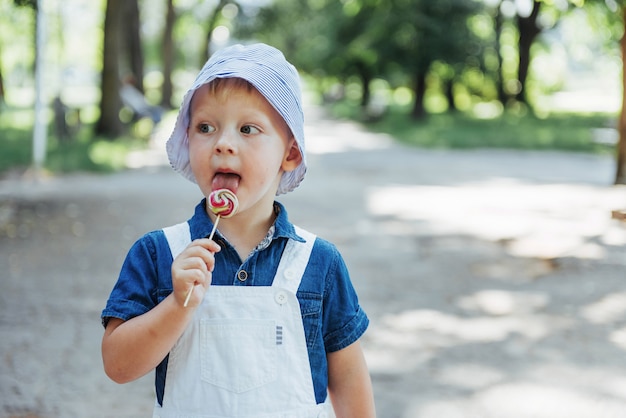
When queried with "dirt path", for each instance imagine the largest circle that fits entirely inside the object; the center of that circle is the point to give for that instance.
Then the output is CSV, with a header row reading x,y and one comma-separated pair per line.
x,y
494,280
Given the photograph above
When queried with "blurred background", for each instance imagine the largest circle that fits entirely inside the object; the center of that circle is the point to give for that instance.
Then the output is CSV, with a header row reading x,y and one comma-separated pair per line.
x,y
445,74
466,156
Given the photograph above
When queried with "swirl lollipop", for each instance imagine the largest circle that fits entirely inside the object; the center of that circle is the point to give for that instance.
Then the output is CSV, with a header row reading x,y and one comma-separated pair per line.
x,y
224,204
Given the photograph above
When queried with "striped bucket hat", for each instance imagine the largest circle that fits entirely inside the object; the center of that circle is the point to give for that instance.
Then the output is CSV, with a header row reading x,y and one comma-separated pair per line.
x,y
272,75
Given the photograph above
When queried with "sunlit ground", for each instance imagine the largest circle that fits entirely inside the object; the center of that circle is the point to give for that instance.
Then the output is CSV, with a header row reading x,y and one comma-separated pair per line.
x,y
539,220
536,226
498,285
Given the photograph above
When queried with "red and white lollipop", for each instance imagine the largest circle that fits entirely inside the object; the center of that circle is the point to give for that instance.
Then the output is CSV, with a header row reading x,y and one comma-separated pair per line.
x,y
224,204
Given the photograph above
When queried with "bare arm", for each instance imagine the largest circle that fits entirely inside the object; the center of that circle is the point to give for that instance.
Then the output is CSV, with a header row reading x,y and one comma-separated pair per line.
x,y
132,348
349,383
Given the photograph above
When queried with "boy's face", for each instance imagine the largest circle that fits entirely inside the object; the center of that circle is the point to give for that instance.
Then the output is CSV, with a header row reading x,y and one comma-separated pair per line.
x,y
238,141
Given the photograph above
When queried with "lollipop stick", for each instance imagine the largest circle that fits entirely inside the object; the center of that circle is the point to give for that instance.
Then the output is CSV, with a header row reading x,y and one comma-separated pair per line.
x,y
190,291
214,227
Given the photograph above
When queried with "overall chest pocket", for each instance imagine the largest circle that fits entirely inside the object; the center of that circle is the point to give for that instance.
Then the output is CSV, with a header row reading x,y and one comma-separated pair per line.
x,y
311,311
238,355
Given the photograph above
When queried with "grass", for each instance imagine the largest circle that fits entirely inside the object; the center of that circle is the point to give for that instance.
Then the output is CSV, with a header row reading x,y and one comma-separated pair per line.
x,y
558,131
565,132
82,152
14,149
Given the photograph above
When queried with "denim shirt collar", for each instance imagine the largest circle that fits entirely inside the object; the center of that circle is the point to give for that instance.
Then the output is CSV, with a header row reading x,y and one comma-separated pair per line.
x,y
201,225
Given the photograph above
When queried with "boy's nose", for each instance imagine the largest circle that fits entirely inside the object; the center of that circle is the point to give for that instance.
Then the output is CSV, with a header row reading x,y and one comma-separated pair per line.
x,y
225,143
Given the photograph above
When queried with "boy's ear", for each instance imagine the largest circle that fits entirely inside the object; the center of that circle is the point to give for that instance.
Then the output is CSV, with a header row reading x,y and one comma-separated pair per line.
x,y
293,158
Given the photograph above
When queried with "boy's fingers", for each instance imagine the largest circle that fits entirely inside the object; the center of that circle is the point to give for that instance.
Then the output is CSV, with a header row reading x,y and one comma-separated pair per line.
x,y
199,249
193,268
197,262
208,244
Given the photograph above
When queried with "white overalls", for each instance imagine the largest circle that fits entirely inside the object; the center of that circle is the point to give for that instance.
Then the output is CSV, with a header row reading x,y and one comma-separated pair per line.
x,y
244,354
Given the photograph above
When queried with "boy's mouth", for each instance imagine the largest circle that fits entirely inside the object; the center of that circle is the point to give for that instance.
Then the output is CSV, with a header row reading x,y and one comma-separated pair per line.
x,y
228,181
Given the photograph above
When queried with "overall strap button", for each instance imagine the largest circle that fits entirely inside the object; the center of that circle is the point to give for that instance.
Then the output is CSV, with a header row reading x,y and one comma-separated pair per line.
x,y
280,297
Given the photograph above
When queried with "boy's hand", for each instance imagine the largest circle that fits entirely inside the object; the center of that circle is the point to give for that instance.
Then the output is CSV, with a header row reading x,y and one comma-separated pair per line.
x,y
192,270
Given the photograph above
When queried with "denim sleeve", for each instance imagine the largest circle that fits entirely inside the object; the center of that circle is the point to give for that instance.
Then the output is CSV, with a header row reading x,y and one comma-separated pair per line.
x,y
344,321
135,291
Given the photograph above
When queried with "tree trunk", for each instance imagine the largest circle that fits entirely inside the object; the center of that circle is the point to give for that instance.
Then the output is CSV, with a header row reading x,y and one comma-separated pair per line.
x,y
502,96
1,86
206,53
167,89
419,112
528,31
109,124
449,91
132,42
364,75
620,175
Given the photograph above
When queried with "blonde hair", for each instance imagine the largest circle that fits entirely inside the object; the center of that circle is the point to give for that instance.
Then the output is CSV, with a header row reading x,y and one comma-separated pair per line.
x,y
223,87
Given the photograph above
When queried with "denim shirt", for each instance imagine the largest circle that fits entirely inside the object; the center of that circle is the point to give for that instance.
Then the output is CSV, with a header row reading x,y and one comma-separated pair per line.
x,y
331,314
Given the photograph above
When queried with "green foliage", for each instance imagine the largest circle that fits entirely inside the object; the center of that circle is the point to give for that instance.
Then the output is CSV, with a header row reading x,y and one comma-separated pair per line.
x,y
26,3
394,39
304,30
329,39
463,50
447,44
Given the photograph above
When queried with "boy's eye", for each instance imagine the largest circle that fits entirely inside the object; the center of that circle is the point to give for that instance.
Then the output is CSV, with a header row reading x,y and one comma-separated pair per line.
x,y
249,129
205,128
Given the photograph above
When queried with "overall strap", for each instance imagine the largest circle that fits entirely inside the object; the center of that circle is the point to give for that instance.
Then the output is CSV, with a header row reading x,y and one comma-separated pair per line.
x,y
178,237
294,261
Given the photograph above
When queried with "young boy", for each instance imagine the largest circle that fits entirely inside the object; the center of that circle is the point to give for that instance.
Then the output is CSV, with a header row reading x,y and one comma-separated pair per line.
x,y
273,324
